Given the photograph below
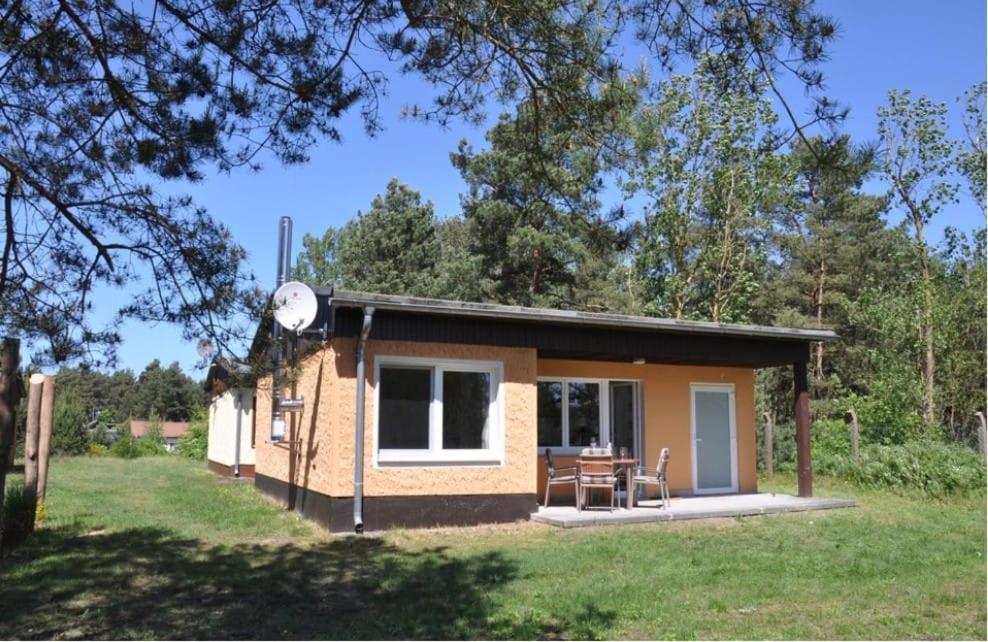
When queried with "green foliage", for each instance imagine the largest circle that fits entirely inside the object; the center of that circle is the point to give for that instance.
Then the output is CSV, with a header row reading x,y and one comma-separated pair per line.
x,y
18,515
127,446
98,450
972,160
148,447
120,396
703,159
930,467
69,436
194,444
534,219
392,247
166,392
317,263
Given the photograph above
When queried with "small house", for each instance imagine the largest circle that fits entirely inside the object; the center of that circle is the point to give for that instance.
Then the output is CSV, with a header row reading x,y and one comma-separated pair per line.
x,y
171,431
421,412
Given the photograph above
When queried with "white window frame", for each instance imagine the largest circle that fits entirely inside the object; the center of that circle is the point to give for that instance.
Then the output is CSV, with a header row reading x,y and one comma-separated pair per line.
x,y
605,411
435,453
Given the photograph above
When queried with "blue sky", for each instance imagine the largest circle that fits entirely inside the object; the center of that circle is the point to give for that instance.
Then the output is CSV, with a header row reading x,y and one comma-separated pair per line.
x,y
934,48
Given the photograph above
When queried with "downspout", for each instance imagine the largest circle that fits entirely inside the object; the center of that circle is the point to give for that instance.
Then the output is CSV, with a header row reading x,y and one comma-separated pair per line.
x,y
239,406
358,451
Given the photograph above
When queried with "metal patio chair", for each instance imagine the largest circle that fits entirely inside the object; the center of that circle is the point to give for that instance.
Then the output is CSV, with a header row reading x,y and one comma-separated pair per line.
x,y
657,477
596,470
560,477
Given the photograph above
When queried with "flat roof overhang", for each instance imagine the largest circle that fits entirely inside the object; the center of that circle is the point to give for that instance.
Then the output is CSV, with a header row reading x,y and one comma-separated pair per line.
x,y
563,334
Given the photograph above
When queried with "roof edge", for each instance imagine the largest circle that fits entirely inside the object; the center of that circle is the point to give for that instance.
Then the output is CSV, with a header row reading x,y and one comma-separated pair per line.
x,y
352,298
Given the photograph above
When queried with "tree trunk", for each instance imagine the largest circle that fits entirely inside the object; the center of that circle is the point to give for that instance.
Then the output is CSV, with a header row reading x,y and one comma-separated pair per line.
x,y
31,434
769,443
982,439
929,359
44,437
818,304
801,412
853,416
9,391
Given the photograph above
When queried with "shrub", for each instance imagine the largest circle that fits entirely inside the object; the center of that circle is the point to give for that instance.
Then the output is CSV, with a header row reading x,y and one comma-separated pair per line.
x,y
68,435
930,467
149,446
98,450
195,443
18,518
126,447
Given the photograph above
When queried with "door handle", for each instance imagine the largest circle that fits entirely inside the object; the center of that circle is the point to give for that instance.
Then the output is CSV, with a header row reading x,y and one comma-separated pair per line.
x,y
698,440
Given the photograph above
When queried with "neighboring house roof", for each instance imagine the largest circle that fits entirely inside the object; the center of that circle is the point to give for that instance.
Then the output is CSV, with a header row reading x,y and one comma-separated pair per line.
x,y
169,429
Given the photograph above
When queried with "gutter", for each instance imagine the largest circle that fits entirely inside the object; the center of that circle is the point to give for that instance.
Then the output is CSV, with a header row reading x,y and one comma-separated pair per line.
x,y
358,451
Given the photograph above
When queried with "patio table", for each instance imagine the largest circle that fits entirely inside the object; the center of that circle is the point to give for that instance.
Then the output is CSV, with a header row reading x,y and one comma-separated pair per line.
x,y
627,464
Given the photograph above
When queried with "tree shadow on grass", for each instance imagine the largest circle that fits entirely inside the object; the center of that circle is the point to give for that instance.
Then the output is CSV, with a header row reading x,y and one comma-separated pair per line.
x,y
147,583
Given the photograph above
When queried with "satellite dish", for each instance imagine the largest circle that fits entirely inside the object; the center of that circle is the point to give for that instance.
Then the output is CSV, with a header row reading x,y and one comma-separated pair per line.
x,y
204,348
295,306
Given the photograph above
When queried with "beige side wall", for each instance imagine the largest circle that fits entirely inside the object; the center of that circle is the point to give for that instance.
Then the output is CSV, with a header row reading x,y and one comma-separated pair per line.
x,y
223,427
323,460
666,414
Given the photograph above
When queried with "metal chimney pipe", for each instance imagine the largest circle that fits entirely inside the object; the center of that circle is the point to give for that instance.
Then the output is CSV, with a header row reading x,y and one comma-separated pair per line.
x,y
284,268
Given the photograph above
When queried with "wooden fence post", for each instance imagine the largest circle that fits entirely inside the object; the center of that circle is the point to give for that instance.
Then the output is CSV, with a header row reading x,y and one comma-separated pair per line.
x,y
44,437
853,417
769,443
982,440
9,391
31,440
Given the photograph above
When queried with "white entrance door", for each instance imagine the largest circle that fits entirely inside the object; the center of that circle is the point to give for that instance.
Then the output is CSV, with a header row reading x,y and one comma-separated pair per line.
x,y
715,452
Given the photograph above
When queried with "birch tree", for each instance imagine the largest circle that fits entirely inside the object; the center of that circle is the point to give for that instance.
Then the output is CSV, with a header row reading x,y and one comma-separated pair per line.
x,y
917,163
705,164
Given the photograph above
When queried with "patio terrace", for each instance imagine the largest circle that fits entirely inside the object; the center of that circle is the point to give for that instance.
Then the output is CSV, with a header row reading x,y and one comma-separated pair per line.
x,y
682,508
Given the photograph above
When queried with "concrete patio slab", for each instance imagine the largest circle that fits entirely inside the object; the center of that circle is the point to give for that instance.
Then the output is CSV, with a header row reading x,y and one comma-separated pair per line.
x,y
682,508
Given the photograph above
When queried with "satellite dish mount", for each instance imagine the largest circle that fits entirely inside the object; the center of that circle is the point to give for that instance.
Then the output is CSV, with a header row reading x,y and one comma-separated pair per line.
x,y
295,306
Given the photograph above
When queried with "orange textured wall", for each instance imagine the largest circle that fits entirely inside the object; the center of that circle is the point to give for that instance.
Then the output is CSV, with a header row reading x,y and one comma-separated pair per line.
x,y
515,475
304,455
323,458
666,414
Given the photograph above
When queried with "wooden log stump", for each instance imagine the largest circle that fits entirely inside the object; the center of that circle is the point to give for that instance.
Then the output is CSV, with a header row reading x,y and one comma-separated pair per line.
x,y
44,436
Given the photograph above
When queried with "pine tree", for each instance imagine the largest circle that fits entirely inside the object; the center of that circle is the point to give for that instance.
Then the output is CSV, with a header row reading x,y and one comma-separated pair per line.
x,y
533,215
392,248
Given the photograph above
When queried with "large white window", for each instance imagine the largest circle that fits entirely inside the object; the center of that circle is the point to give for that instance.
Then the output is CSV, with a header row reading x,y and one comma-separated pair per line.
x,y
438,410
573,413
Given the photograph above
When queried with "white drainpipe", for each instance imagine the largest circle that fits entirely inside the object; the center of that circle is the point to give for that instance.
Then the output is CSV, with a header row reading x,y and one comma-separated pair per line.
x,y
238,404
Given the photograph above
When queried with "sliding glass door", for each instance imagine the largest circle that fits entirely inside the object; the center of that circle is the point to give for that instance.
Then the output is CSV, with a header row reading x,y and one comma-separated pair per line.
x,y
624,415
574,413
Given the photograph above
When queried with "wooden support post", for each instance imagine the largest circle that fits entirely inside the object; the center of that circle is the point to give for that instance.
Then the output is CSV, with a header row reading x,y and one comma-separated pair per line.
x,y
801,411
31,433
44,436
982,439
9,392
769,443
853,418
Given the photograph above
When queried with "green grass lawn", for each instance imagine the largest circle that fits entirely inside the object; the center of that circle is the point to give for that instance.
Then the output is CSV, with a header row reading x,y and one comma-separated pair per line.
x,y
159,548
